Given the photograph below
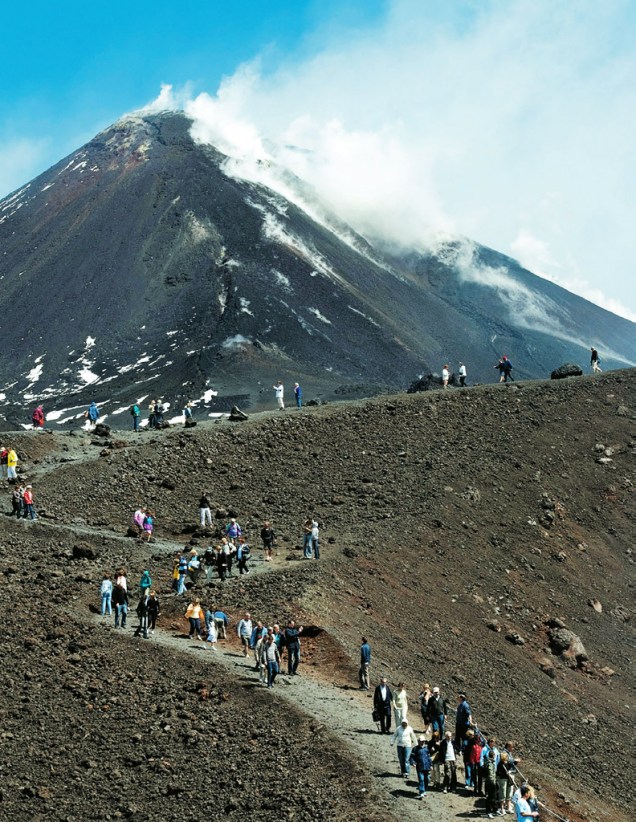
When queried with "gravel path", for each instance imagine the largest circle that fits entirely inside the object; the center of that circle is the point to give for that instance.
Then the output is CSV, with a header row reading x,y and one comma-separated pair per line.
x,y
344,712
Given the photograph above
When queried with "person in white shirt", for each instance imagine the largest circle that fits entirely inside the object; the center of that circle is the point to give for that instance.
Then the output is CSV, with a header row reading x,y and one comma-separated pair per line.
x,y
406,741
462,375
400,704
244,631
279,389
445,376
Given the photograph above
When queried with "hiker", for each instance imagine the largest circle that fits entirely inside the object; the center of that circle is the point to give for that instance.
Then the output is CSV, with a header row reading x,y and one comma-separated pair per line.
x,y
507,369
242,556
448,755
222,561
152,415
525,810
445,376
12,465
148,526
298,395
29,509
195,614
271,658
205,513
233,530
138,521
292,641
505,783
463,720
4,453
37,418
433,746
421,758
17,503
159,412
365,664
187,413
382,698
92,414
462,375
406,741
502,370
269,538
183,570
472,755
437,711
258,632
145,583
595,361
279,390
221,620
142,613
194,566
153,610
307,529
244,631
120,601
315,538
490,784
423,697
483,763
211,633
400,704
135,413
106,591
121,579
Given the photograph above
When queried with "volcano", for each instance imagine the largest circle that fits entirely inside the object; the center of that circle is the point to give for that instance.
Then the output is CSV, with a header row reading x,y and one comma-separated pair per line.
x,y
141,266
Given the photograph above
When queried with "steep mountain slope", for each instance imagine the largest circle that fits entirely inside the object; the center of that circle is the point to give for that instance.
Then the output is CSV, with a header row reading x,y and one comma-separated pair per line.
x,y
453,523
141,266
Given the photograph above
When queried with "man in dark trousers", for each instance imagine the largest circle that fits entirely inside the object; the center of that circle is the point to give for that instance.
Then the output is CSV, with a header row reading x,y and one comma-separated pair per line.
x,y
142,613
437,710
463,719
382,698
365,663
292,640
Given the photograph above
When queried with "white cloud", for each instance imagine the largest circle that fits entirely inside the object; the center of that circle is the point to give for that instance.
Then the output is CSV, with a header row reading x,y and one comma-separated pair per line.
x,y
509,122
20,160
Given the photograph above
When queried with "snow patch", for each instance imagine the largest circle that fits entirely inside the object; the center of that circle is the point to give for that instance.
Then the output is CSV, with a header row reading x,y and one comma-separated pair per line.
x,y
207,396
236,341
50,185
362,314
320,316
36,372
245,306
283,281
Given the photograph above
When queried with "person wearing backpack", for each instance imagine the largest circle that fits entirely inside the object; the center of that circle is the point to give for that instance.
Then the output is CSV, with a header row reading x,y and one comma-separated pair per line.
x,y
507,369
242,555
135,413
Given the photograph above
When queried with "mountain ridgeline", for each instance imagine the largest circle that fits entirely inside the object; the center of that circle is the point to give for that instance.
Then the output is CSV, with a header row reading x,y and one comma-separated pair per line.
x,y
139,267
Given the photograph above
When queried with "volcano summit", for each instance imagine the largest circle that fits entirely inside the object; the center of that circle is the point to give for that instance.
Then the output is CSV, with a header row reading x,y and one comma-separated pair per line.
x,y
143,265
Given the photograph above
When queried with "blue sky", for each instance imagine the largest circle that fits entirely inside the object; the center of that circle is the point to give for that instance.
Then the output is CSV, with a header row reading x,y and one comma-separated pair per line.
x,y
509,121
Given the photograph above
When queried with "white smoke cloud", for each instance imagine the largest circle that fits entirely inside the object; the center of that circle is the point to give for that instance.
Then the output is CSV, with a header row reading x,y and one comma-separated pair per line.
x,y
17,159
509,122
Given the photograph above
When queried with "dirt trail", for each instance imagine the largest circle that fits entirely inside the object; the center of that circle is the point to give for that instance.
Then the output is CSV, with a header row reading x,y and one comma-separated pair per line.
x,y
344,712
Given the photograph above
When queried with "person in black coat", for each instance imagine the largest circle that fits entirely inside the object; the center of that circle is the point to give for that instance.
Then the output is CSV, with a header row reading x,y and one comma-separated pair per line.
x,y
382,698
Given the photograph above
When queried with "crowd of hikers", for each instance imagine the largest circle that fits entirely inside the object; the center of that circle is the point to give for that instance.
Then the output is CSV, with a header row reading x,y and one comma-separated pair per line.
x,y
436,751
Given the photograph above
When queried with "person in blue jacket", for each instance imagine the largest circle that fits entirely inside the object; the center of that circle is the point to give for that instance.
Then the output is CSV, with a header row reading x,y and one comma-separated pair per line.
x,y
421,758
365,664
93,413
298,395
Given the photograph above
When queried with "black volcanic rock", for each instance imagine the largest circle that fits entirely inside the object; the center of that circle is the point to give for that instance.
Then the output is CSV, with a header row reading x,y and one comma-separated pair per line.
x,y
567,370
158,274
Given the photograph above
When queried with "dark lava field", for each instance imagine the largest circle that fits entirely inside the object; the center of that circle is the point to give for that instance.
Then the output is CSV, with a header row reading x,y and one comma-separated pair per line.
x,y
481,539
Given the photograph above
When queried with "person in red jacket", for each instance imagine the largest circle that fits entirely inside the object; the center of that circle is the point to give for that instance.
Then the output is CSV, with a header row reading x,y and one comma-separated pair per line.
x,y
37,418
472,755
29,510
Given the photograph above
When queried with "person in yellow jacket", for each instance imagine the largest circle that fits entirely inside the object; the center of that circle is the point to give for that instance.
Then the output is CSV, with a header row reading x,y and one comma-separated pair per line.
x,y
12,462
196,615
